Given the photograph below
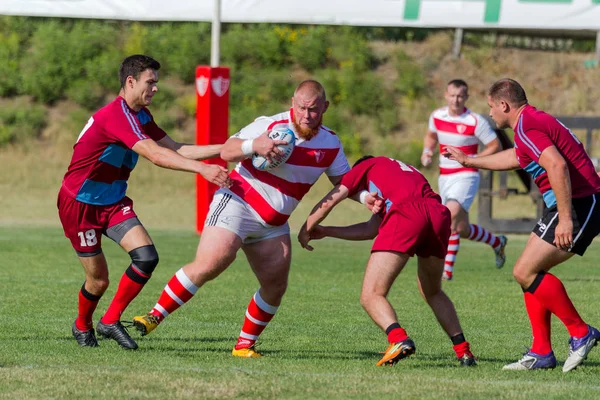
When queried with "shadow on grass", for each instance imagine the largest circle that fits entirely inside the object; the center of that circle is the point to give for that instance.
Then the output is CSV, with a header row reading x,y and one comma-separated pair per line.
x,y
198,345
578,279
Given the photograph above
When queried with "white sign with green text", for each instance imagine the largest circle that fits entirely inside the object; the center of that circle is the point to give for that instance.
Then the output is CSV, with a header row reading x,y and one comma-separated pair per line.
x,y
519,14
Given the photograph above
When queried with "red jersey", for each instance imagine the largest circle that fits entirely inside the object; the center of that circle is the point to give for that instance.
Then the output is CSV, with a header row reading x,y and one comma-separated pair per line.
x,y
536,131
393,180
102,156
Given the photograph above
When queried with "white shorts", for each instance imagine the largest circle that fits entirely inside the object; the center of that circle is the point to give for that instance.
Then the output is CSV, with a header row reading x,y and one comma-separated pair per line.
x,y
460,187
230,212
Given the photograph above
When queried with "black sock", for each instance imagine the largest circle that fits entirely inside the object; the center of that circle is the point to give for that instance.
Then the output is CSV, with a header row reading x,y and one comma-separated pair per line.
x,y
392,327
458,339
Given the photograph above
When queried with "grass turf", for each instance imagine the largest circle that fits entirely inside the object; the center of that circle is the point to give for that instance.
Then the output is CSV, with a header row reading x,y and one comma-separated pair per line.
x,y
321,344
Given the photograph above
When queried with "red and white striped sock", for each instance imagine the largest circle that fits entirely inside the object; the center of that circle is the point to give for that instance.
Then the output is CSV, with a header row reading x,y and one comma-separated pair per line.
x,y
178,291
480,234
453,245
258,315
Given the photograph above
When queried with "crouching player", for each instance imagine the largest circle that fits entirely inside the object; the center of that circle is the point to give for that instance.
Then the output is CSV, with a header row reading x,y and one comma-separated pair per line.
x,y
413,221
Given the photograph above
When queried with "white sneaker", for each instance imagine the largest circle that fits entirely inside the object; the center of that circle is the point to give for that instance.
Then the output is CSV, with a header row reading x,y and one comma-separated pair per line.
x,y
580,348
531,361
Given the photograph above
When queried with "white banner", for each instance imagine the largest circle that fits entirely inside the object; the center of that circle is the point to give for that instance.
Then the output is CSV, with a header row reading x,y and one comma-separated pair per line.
x,y
514,14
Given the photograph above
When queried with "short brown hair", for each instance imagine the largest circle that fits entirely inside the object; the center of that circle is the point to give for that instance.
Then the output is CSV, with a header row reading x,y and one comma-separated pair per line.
x,y
458,83
509,90
134,65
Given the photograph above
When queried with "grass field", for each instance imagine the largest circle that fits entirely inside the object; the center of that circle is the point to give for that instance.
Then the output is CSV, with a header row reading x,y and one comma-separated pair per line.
x,y
321,344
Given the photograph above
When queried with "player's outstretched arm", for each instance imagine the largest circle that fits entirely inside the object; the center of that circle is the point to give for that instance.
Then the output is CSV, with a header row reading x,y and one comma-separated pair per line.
x,y
491,148
324,207
166,158
502,161
191,151
320,212
371,200
363,231
429,145
236,149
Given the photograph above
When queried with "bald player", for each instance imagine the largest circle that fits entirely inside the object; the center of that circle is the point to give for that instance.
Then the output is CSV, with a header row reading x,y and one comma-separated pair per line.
x,y
252,214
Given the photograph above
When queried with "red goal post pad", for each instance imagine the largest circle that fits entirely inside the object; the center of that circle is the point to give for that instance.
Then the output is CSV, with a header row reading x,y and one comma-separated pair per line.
x,y
212,124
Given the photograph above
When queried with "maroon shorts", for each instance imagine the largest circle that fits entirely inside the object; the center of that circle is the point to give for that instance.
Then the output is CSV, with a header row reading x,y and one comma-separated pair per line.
x,y
84,223
421,227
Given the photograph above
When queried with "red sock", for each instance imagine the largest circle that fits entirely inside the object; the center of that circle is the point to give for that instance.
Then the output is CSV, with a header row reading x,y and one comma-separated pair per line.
x,y
551,294
258,315
397,335
539,317
176,293
462,348
131,284
86,307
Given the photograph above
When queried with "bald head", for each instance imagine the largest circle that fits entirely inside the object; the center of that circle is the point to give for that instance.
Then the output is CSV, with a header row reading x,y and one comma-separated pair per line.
x,y
310,88
508,90
309,104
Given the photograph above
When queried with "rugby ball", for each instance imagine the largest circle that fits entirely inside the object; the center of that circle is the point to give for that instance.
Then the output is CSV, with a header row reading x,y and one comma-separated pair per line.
x,y
277,133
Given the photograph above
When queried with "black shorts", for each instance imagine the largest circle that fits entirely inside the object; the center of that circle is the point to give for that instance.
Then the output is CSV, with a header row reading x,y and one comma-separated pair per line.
x,y
586,223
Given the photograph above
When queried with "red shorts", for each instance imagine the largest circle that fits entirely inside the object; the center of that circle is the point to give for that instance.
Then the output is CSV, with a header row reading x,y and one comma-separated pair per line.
x,y
421,227
84,223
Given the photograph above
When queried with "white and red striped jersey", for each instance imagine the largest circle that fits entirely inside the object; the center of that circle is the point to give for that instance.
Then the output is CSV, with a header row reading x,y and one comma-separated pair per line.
x,y
464,131
274,194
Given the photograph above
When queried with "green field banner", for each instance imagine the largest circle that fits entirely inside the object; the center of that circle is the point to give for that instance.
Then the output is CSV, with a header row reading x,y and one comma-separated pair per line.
x,y
507,14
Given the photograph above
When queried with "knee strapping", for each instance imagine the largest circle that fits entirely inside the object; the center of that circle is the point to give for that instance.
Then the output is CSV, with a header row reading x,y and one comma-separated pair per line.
x,y
145,258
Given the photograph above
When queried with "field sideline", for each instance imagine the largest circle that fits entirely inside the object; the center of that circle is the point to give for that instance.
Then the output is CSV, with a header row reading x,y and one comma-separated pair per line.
x,y
321,344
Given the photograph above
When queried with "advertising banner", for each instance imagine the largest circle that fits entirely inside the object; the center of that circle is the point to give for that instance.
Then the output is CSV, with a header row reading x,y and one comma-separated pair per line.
x,y
481,14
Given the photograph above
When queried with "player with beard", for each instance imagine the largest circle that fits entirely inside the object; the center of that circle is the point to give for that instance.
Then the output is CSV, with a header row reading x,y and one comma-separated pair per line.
x,y
252,214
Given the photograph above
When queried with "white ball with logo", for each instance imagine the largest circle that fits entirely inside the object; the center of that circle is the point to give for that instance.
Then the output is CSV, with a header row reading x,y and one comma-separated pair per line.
x,y
280,132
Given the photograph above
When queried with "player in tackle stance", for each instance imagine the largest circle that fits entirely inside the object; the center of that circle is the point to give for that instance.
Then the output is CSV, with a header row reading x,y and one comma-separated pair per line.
x,y
92,200
412,222
566,177
252,214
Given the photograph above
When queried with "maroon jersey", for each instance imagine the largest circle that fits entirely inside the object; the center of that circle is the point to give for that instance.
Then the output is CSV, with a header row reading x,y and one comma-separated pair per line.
x,y
102,156
536,131
393,180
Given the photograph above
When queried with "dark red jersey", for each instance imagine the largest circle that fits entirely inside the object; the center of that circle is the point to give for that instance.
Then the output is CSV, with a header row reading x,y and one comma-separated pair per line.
x,y
393,180
102,156
536,131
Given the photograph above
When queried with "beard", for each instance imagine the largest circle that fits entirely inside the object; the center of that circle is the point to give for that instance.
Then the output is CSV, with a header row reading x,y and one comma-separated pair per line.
x,y
307,133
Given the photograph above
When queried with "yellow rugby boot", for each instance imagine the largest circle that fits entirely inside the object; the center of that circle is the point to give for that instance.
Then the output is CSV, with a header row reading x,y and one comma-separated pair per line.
x,y
249,352
145,323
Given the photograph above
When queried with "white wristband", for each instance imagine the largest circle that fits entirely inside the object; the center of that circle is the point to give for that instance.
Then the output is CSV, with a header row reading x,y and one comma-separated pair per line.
x,y
247,147
426,151
363,196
